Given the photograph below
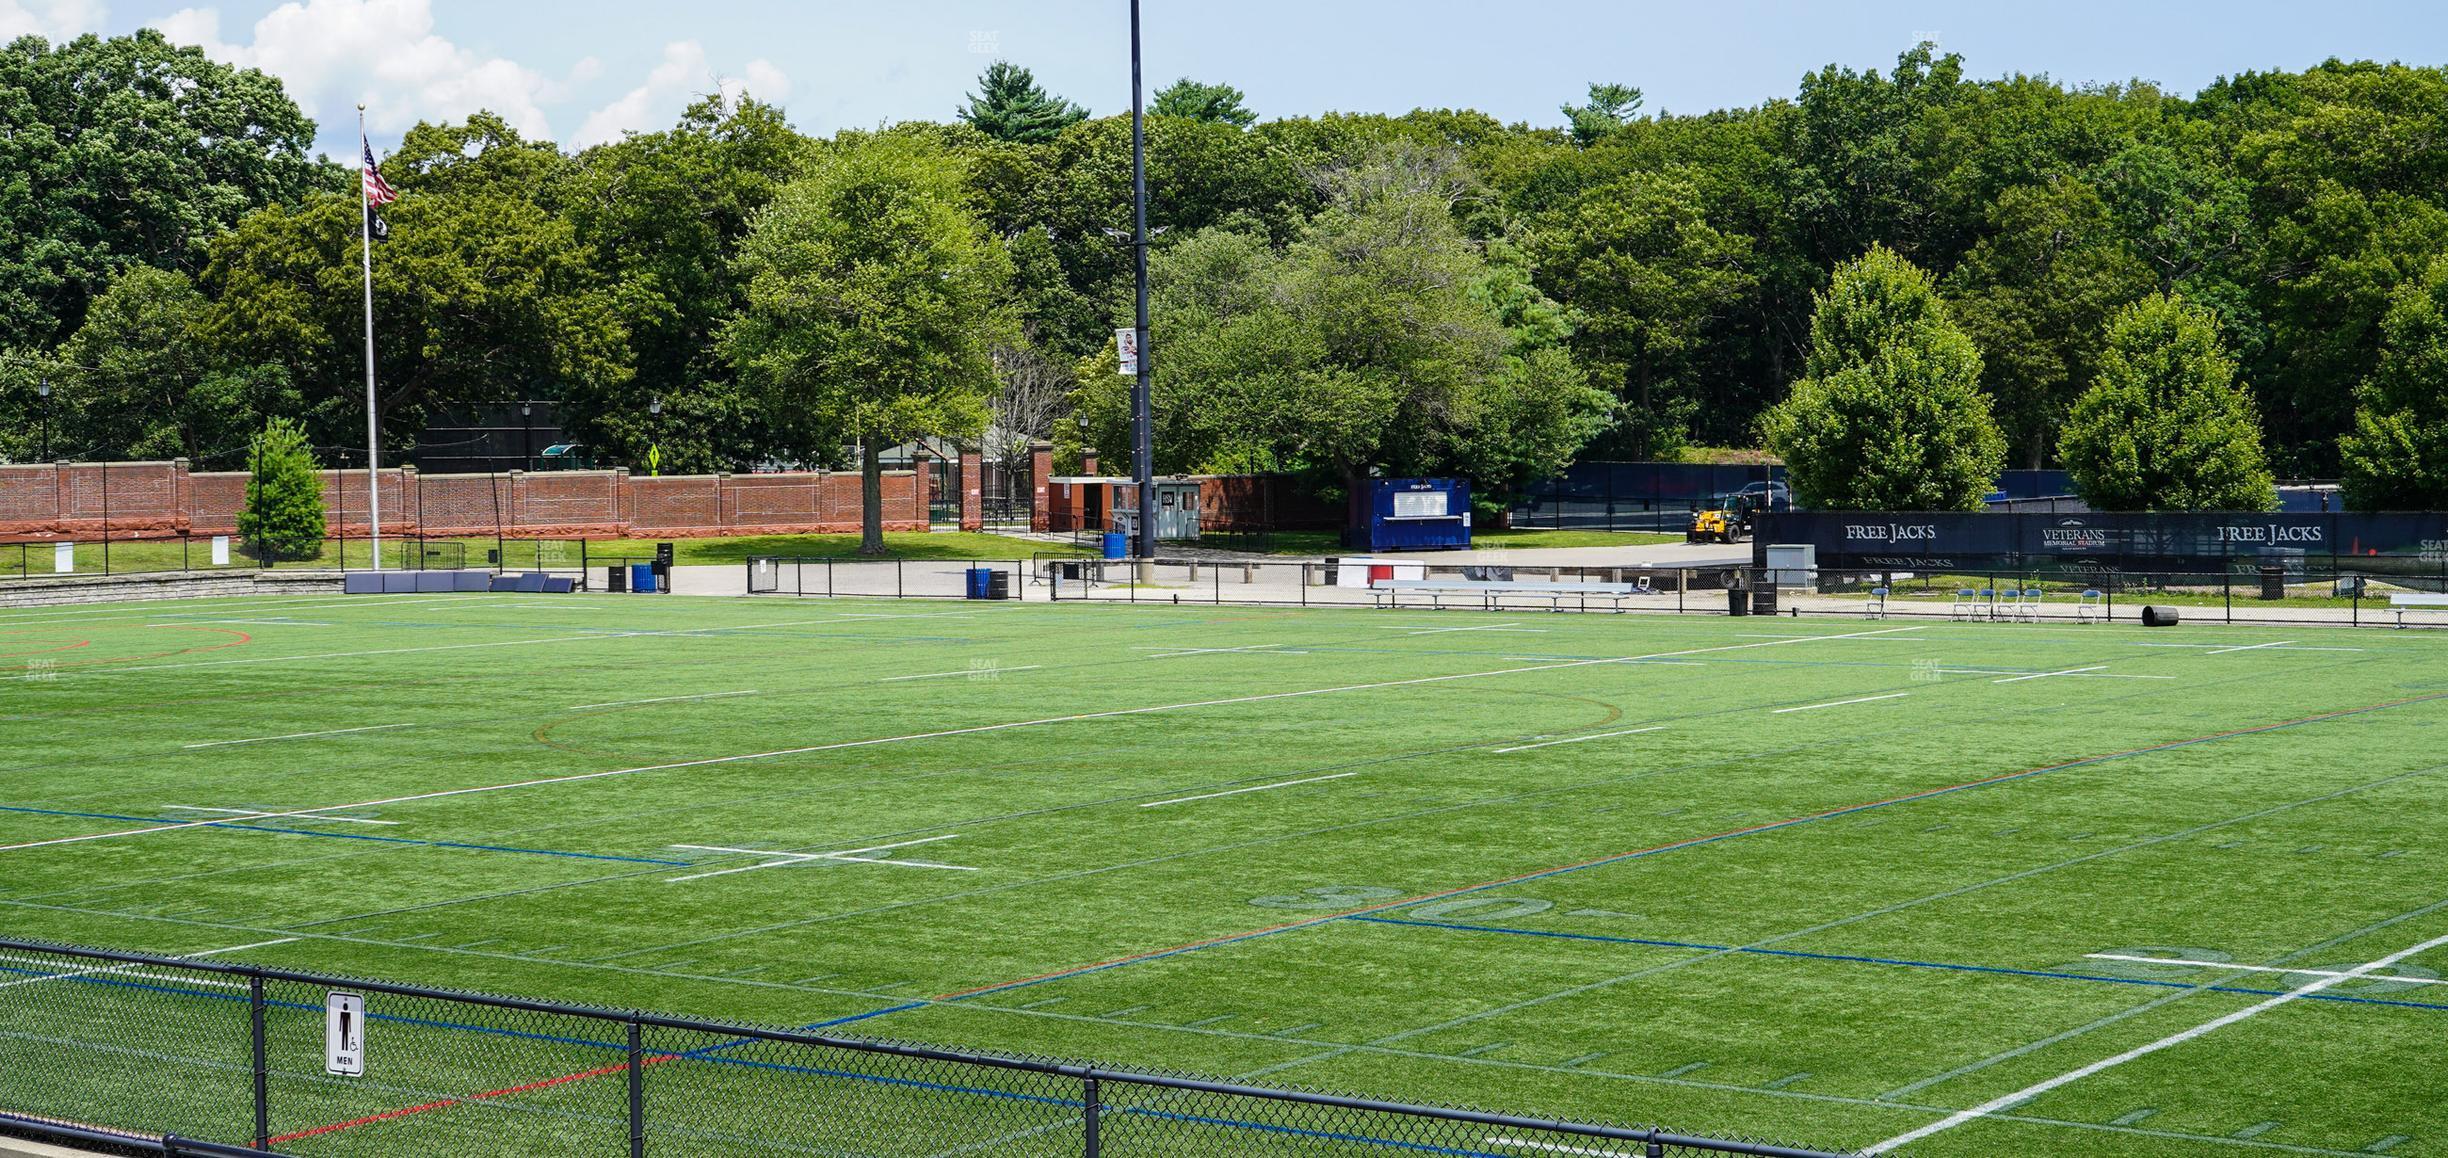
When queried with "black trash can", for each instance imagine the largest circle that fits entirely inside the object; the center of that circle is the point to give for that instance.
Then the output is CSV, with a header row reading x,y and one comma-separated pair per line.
x,y
2273,581
998,584
616,578
1738,601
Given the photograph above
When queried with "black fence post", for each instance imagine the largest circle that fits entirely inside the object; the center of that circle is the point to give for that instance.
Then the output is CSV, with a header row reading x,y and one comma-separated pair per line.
x,y
262,1061
1092,1112
637,1089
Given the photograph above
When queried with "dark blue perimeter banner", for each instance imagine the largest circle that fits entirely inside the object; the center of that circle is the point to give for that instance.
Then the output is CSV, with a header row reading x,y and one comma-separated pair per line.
x,y
2241,541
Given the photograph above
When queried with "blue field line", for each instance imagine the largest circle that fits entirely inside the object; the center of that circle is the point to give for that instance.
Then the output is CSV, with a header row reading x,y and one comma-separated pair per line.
x,y
244,827
1696,842
1051,978
1916,797
2047,974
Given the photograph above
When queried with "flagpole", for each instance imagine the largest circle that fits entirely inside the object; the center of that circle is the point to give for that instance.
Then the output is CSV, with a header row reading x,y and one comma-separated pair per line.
x,y
365,230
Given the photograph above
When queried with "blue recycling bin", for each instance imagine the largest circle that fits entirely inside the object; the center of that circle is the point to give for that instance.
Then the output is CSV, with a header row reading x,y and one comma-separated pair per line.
x,y
1117,545
981,582
642,578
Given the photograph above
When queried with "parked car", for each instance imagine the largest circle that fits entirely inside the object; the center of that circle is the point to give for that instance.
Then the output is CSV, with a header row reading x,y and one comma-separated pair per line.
x,y
1761,496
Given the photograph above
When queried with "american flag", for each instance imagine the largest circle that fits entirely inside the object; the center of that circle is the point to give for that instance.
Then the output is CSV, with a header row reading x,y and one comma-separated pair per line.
x,y
377,191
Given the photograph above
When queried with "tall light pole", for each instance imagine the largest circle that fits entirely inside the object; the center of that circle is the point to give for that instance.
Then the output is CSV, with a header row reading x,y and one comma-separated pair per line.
x,y
45,391
1143,425
526,436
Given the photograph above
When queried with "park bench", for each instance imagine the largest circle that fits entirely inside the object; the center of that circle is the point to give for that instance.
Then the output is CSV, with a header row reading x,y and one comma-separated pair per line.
x,y
1488,592
2402,603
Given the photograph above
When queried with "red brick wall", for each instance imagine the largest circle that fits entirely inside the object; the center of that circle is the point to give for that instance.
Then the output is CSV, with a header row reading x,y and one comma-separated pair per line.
x,y
163,498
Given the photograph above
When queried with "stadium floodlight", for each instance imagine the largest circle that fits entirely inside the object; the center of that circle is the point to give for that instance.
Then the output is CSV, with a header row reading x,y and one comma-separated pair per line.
x,y
1143,437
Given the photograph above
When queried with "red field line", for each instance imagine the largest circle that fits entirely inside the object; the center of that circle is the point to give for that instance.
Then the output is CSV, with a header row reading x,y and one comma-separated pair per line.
x,y
445,1103
1288,926
242,640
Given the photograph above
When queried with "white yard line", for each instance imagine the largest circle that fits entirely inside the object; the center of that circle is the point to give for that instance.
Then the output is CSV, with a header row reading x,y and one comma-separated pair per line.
x,y
1239,791
263,622
2287,646
784,859
1556,1147
658,700
296,736
979,729
2247,647
129,966
1479,627
1579,739
972,671
1245,649
2069,1077
2229,965
2041,675
1841,703
576,636
249,813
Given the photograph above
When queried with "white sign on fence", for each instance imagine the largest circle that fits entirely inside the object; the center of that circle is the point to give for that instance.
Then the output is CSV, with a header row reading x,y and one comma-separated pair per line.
x,y
344,1034
1126,344
220,550
63,557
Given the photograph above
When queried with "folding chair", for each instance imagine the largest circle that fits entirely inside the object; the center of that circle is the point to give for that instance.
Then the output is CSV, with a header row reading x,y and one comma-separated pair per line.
x,y
1876,608
1964,607
1986,607
2089,606
2029,609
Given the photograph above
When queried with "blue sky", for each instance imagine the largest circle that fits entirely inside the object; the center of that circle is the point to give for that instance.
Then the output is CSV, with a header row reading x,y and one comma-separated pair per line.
x,y
579,73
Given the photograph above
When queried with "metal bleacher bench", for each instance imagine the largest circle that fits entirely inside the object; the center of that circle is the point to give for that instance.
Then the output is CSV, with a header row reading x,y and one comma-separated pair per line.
x,y
1389,592
2403,603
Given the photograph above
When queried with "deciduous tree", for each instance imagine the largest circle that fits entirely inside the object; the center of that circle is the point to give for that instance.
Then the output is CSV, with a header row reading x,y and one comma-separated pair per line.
x,y
874,298
2397,456
2165,426
1889,414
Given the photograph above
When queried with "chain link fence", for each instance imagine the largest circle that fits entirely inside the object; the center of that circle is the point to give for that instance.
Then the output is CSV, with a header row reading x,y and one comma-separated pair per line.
x,y
100,1047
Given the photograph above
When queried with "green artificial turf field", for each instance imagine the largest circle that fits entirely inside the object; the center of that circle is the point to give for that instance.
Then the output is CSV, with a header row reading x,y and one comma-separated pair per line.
x,y
1827,880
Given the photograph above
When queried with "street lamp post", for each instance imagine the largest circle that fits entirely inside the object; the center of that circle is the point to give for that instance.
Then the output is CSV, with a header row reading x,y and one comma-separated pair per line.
x,y
45,391
654,439
526,435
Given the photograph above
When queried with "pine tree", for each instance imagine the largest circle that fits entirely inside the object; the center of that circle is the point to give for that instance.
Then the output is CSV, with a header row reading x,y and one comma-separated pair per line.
x,y
1011,106
1192,100
283,516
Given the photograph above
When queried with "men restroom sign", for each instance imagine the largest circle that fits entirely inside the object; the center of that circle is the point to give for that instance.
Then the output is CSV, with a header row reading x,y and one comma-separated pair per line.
x,y
344,1034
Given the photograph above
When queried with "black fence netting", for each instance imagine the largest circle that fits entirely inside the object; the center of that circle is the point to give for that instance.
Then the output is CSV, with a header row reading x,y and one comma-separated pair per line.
x,y
144,1052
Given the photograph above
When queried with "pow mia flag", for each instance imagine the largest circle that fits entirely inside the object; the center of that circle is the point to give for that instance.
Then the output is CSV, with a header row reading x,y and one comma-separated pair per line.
x,y
381,229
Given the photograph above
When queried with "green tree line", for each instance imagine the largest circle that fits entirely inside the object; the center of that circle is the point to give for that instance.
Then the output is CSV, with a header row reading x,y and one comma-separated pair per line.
x,y
2105,277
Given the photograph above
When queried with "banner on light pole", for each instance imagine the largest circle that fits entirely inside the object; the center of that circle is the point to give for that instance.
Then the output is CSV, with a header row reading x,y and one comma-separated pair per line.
x,y
1126,344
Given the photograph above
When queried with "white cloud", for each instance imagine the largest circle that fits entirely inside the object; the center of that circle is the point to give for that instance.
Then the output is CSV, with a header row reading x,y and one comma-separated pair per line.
x,y
767,83
332,54
681,75
53,20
